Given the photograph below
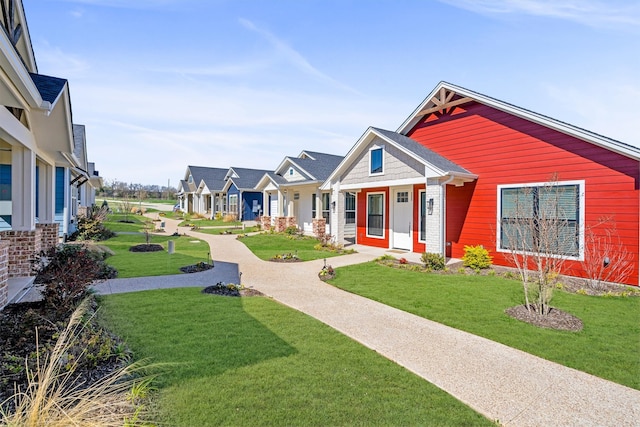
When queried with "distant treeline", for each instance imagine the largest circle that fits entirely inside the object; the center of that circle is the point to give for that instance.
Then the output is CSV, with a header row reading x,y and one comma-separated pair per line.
x,y
129,190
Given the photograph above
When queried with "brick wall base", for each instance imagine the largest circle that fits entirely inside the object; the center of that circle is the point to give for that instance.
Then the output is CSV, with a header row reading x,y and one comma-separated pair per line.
x,y
265,222
283,222
4,273
23,246
50,236
319,227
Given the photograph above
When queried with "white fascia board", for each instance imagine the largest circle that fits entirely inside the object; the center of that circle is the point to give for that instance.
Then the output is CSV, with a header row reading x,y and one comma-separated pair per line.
x,y
601,141
13,66
307,154
364,139
14,132
264,182
376,184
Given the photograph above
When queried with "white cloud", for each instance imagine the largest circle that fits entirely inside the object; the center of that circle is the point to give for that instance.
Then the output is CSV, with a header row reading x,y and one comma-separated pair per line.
x,y
59,63
594,13
294,57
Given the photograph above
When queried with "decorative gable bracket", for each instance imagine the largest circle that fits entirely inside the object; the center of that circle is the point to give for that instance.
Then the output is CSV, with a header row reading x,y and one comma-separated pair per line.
x,y
442,102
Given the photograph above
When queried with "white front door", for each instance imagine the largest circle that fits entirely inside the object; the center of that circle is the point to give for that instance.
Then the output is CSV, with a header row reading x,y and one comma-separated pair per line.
x,y
274,209
402,209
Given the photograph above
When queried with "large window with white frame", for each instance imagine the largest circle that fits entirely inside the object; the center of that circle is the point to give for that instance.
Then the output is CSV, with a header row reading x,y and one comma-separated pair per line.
x,y
376,161
542,218
326,203
375,214
233,205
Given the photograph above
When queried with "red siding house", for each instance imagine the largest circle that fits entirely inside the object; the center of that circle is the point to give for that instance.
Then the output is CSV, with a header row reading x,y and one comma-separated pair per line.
x,y
449,175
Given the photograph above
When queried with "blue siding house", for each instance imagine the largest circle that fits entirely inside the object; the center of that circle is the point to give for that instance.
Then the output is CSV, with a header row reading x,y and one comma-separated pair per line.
x,y
242,198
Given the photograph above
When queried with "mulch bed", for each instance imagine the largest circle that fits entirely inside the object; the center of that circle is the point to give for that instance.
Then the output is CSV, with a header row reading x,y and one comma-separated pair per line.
x,y
221,289
151,247
18,324
196,268
285,260
556,319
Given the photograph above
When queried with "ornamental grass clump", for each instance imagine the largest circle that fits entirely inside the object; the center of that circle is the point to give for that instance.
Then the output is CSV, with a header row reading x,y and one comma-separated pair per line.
x,y
432,261
56,396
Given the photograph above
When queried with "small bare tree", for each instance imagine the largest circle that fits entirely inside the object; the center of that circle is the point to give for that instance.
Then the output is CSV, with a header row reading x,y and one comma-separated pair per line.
x,y
606,258
126,204
539,231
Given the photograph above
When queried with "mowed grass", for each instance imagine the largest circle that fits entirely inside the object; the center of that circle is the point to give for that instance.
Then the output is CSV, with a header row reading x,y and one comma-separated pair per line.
x,y
267,245
114,222
230,230
209,222
607,347
254,362
188,251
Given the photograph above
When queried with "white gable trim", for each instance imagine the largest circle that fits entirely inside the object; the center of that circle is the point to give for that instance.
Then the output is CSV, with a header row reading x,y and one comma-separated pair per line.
x,y
363,143
566,128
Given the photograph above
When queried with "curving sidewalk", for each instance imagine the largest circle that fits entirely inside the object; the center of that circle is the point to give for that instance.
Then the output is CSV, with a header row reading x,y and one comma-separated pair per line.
x,y
504,384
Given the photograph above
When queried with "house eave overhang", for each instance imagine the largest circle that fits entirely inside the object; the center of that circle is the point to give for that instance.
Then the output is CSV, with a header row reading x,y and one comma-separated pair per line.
x,y
12,65
54,132
468,96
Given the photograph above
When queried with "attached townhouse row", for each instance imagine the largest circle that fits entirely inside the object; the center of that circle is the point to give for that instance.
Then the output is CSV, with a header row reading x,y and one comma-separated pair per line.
x,y
453,174
46,180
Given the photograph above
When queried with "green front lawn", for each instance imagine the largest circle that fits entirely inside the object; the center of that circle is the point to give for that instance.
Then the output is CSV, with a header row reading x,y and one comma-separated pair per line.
x,y
209,223
607,347
267,245
114,222
230,230
252,361
188,251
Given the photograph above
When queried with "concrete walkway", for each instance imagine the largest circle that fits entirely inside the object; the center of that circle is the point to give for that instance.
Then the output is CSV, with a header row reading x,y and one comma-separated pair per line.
x,y
506,385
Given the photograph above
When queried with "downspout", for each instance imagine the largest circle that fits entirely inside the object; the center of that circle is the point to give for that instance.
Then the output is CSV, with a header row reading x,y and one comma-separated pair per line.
x,y
443,214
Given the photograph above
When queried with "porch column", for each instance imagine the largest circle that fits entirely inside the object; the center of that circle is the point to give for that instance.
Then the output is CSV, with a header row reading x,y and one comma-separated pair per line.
x,y
280,204
318,204
23,189
47,191
434,218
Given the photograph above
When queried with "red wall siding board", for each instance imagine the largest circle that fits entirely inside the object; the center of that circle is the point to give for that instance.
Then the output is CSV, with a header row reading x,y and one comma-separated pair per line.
x,y
361,222
504,149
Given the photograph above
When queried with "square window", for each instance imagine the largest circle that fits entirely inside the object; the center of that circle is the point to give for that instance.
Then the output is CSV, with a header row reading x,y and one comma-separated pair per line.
x,y
402,197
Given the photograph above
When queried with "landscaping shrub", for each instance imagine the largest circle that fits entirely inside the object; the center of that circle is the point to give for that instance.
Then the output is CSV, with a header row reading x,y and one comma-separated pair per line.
x,y
91,227
433,261
476,257
291,231
67,271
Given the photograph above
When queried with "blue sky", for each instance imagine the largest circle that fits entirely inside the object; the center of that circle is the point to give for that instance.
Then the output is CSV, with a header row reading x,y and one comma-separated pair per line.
x,y
162,84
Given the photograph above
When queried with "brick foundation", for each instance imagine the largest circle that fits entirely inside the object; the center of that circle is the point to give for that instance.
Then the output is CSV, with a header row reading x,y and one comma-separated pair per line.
x,y
4,273
50,236
319,227
283,222
265,222
23,246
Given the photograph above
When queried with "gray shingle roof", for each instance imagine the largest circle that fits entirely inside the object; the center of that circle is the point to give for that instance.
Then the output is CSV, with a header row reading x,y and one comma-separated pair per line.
x,y
321,167
247,178
422,152
79,142
213,177
49,87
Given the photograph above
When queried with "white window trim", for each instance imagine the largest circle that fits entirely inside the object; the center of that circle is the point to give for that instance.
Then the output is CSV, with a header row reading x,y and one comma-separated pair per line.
x,y
374,148
581,190
420,219
384,216
237,204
